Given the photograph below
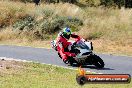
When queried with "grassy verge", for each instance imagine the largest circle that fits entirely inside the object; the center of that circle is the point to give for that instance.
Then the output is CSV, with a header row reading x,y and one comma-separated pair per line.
x,y
15,74
36,44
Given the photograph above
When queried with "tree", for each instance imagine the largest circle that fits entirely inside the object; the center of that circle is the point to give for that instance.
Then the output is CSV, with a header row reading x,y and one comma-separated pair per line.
x,y
69,1
128,3
110,3
36,2
58,1
119,3
106,2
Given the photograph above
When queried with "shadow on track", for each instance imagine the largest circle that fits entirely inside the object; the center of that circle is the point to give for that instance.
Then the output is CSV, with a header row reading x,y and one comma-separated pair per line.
x,y
93,67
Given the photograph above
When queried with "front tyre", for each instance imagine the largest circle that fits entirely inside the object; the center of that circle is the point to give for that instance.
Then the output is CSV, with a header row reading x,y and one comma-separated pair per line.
x,y
98,62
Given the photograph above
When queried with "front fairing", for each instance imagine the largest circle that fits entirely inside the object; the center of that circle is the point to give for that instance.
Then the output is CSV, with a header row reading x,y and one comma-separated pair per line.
x,y
84,49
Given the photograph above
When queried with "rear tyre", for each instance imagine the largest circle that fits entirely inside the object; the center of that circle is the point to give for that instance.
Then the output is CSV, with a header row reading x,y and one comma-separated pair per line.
x,y
66,61
71,61
78,64
98,62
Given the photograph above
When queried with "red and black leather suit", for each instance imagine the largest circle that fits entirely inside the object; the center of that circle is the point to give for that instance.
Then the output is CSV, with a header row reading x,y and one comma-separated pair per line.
x,y
63,43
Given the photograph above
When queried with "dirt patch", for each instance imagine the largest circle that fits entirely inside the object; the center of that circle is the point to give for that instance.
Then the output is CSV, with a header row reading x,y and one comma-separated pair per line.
x,y
8,66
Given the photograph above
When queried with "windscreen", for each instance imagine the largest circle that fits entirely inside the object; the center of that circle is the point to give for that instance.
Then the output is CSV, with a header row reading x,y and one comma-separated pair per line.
x,y
82,45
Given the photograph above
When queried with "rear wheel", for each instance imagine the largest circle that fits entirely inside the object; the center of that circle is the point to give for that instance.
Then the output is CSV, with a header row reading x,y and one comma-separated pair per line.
x,y
98,62
71,60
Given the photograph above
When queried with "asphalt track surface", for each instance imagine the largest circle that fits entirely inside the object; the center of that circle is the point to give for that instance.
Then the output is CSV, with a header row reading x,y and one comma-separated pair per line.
x,y
113,64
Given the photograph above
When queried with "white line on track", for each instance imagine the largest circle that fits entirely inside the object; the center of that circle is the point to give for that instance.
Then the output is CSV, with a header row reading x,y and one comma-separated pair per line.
x,y
5,58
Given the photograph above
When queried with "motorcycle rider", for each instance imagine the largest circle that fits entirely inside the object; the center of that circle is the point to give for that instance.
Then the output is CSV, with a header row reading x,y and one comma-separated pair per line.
x,y
62,44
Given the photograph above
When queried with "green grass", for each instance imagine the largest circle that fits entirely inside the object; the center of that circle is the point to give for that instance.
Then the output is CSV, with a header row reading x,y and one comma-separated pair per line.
x,y
36,75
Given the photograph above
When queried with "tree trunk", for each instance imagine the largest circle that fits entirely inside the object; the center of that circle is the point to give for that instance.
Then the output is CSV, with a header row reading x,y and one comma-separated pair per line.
x,y
128,3
57,1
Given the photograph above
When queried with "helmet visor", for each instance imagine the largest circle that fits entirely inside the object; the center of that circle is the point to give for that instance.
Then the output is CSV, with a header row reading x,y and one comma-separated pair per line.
x,y
68,31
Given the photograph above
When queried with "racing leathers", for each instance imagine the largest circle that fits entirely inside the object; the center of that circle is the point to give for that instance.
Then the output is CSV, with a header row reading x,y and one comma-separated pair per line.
x,y
63,43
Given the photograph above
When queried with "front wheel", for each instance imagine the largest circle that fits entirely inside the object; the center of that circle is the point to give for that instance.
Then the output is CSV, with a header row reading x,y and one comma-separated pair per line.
x,y
98,62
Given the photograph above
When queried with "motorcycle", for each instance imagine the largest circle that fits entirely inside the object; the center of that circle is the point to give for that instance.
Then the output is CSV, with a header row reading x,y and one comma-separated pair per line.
x,y
84,53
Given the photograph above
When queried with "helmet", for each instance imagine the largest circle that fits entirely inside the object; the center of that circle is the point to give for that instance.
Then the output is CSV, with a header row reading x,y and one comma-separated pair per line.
x,y
67,31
